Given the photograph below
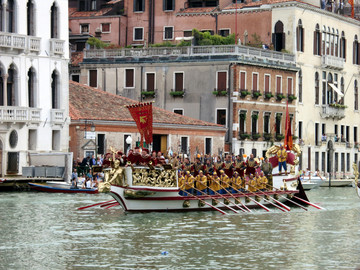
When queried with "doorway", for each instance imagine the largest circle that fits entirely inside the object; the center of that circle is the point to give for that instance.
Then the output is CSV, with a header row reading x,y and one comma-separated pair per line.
x,y
160,143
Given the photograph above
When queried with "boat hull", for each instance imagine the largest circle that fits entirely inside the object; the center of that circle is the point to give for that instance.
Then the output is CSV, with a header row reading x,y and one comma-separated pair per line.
x,y
53,188
337,183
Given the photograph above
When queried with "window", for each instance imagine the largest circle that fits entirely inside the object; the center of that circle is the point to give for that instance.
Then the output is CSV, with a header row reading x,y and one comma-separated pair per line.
x,y
347,134
101,144
317,134
54,22
278,37
10,16
356,51
347,162
138,33
188,33
323,129
254,120
10,87
55,90
209,31
13,139
342,87
208,146
202,3
127,146
93,78
316,161
184,145
278,84
139,5
267,83
84,28
105,27
267,122
32,139
336,130
336,162
355,135
179,111
290,86
317,90
56,140
13,162
323,160
221,117
356,95
129,78
278,123
150,82
343,46
242,122
168,5
255,81
93,5
30,18
300,130
343,162
168,33
224,32
221,81
242,80
324,87
31,88
300,37
317,40
178,81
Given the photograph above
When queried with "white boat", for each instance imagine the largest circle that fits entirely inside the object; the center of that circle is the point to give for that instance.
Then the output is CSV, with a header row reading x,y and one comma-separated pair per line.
x,y
337,183
309,184
163,195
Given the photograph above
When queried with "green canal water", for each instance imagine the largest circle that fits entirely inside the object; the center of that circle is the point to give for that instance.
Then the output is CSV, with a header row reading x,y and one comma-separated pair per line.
x,y
45,231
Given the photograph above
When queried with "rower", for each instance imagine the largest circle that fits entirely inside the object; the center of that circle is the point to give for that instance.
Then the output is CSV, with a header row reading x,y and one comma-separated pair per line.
x,y
189,183
236,182
201,183
214,185
224,182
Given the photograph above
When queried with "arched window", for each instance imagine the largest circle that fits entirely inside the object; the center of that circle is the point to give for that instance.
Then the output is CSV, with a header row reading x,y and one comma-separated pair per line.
x,y
329,92
10,16
30,18
278,37
11,87
356,51
328,41
317,90
300,85
300,37
343,46
323,40
356,96
31,88
54,22
332,42
55,85
317,40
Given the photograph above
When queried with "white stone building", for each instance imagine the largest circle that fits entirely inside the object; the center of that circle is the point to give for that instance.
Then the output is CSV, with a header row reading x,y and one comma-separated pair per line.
x,y
34,83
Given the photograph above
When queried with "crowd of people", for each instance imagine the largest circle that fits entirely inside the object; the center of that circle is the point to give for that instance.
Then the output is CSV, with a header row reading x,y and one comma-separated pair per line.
x,y
206,174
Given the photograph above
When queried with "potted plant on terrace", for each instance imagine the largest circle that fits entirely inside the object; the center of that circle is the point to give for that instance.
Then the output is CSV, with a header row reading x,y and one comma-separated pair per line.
x,y
267,136
279,137
255,136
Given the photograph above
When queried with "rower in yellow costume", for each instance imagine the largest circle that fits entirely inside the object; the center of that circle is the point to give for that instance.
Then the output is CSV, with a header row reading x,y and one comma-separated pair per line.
x,y
236,182
181,180
263,181
251,183
201,183
224,182
189,183
214,184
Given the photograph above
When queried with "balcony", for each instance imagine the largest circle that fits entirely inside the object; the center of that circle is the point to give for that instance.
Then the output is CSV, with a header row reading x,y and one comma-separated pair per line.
x,y
14,41
57,47
333,111
57,117
328,61
12,114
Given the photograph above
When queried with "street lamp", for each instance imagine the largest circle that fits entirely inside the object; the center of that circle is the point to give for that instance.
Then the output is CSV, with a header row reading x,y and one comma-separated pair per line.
x,y
128,142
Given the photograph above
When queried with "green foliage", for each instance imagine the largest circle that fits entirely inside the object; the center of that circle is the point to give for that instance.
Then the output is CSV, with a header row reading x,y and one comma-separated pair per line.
x,y
257,94
184,43
291,97
206,39
220,93
164,44
280,96
255,116
243,115
97,43
244,93
244,136
267,136
268,95
177,93
255,136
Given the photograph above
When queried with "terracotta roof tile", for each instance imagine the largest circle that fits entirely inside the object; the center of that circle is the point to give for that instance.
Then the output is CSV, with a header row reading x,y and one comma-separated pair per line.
x,y
86,102
76,58
197,10
93,13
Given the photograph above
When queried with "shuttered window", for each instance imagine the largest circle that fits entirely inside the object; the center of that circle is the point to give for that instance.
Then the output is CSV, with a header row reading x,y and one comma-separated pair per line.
x,y
179,81
242,80
150,81
93,78
278,84
255,81
221,81
267,84
290,86
129,78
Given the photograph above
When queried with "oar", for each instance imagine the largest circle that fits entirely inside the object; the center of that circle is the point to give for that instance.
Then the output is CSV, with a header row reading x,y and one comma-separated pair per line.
x,y
209,204
115,204
232,209
84,207
107,204
278,202
237,200
297,204
304,201
261,205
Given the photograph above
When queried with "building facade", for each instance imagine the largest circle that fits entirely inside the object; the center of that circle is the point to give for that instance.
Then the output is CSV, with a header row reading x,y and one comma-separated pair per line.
x,y
34,81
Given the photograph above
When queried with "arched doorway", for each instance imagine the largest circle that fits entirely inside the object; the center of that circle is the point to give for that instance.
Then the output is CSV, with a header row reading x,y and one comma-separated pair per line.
x,y
278,37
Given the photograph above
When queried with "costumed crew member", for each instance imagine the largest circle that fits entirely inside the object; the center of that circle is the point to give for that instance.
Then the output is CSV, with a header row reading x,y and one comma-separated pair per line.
x,y
267,168
224,182
240,165
282,156
201,183
214,184
189,183
251,165
181,180
236,182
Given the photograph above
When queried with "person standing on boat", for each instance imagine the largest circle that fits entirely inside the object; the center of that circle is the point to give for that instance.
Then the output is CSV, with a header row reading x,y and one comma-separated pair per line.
x,y
228,166
282,156
201,183
208,167
181,181
186,165
267,168
240,165
251,165
218,165
196,167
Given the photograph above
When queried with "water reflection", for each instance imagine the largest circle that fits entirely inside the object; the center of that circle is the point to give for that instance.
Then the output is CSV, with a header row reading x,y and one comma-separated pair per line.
x,y
45,231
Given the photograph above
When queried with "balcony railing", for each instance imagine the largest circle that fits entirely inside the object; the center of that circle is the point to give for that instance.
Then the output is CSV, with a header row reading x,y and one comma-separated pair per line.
x,y
57,46
19,42
57,116
19,114
243,52
329,61
329,111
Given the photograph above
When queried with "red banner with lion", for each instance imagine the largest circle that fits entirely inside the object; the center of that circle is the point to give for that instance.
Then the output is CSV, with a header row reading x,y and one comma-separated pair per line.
x,y
142,114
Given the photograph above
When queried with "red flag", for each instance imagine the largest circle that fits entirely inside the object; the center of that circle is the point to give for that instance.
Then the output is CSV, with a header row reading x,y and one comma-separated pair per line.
x,y
142,114
351,2
288,142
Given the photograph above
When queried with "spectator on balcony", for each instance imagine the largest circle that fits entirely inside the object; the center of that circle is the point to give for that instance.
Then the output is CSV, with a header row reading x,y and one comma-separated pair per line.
x,y
323,137
336,138
342,138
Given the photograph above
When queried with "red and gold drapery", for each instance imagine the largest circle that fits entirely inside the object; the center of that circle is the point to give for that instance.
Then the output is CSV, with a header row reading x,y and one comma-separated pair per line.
x,y
142,114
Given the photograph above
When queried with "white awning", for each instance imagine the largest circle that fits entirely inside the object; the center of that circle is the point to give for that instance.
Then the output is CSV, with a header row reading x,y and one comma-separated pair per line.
x,y
183,38
333,86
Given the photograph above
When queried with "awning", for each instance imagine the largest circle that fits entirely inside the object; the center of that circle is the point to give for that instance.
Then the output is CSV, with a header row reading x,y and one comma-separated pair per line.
x,y
333,86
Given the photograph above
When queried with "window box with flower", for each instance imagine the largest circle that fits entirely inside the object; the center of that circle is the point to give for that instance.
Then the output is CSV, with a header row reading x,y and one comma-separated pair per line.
x,y
280,96
148,94
220,93
177,93
244,93
244,136
291,97
268,95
